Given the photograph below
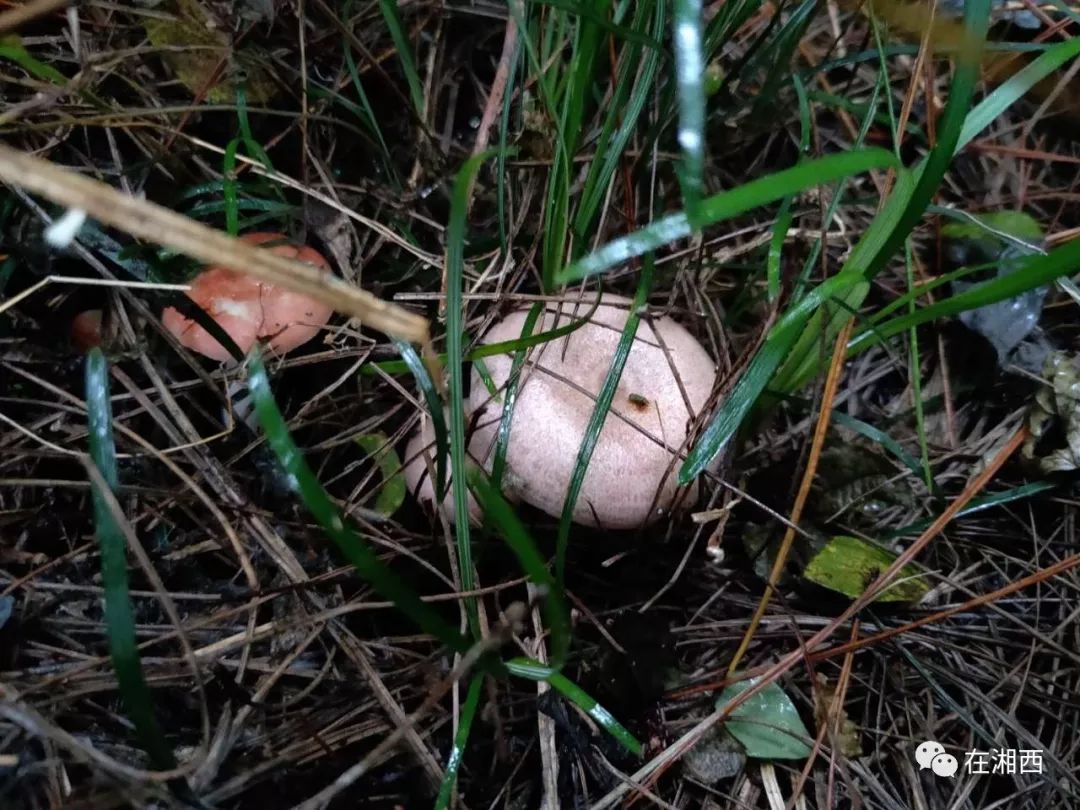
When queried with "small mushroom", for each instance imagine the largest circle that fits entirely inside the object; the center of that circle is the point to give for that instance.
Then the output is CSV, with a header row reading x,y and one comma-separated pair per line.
x,y
631,477
420,471
86,330
249,309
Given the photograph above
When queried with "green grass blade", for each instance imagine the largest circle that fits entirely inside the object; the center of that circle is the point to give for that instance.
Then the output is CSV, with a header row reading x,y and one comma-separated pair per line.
x,y
577,81
599,415
487,349
389,9
461,740
725,206
915,377
1037,271
635,85
620,32
412,362
965,78
455,313
391,494
805,357
501,516
841,419
1011,91
979,505
690,74
501,175
272,208
11,48
365,112
254,148
502,439
777,55
533,670
119,613
749,387
784,217
351,545
228,187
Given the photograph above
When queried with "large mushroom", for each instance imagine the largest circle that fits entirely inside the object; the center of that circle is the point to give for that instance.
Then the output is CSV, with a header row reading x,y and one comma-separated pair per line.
x,y
631,480
249,309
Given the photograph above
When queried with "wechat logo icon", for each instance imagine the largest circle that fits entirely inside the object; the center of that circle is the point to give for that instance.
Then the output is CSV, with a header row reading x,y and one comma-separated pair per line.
x,y
932,755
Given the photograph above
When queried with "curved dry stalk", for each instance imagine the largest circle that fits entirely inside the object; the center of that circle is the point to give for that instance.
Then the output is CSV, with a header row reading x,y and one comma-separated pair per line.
x,y
154,223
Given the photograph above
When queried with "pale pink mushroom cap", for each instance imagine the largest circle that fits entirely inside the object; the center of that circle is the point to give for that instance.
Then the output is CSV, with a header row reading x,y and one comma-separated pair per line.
x,y
249,309
628,470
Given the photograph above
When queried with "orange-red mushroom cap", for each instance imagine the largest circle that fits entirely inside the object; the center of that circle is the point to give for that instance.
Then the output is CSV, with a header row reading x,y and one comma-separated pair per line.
x,y
249,309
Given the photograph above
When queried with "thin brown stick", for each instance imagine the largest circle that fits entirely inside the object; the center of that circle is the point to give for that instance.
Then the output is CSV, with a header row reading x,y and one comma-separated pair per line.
x,y
28,12
827,398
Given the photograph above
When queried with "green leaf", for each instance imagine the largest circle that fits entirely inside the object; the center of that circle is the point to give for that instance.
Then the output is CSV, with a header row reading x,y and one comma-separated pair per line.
x,y
1001,225
119,613
351,545
726,205
848,565
767,724
392,492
